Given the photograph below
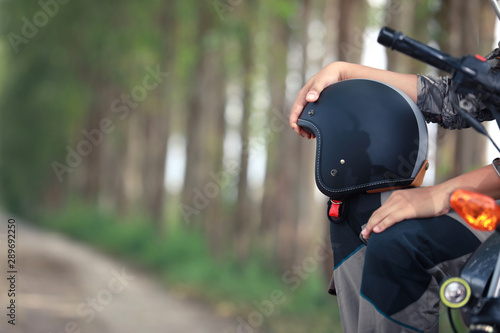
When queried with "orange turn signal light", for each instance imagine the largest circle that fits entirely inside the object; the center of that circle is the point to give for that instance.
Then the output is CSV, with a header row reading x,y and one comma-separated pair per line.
x,y
479,210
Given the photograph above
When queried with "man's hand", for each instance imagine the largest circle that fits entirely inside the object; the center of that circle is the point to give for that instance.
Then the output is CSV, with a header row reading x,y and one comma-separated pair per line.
x,y
432,200
407,204
310,93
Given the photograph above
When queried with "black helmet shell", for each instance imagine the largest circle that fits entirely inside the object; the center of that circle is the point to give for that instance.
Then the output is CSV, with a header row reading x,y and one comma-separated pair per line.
x,y
370,136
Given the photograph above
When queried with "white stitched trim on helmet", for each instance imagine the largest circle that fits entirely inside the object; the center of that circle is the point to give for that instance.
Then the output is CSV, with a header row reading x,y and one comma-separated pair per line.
x,y
326,188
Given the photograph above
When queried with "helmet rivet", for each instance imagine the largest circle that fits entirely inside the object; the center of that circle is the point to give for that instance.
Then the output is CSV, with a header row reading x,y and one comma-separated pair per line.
x,y
342,161
311,113
334,172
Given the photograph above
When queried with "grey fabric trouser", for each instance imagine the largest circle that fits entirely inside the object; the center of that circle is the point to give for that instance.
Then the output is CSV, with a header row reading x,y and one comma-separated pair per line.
x,y
391,283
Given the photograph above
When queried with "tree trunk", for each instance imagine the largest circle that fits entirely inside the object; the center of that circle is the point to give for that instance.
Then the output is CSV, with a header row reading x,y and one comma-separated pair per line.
x,y
201,199
462,29
154,168
243,216
403,20
279,210
132,169
192,206
214,98
351,29
331,19
92,161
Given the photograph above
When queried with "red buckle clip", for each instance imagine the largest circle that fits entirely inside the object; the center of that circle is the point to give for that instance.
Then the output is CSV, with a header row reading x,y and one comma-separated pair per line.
x,y
335,208
480,57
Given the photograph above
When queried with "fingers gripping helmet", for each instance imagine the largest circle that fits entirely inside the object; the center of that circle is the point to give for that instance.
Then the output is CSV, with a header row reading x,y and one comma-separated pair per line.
x,y
370,137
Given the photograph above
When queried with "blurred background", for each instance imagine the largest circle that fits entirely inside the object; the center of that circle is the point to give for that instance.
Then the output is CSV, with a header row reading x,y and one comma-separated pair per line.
x,y
157,132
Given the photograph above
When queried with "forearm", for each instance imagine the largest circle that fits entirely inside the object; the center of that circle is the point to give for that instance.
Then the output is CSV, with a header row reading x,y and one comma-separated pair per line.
x,y
483,180
404,82
339,71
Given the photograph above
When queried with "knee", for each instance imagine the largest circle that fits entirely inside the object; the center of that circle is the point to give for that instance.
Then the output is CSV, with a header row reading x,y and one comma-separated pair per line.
x,y
394,248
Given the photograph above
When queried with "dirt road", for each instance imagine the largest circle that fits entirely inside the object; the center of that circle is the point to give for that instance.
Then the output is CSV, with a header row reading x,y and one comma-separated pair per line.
x,y
62,286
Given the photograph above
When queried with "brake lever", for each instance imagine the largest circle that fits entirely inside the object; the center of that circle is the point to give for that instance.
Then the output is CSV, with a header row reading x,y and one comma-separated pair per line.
x,y
464,107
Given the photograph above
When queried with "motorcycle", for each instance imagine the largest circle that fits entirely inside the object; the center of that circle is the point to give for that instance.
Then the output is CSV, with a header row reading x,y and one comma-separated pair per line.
x,y
476,291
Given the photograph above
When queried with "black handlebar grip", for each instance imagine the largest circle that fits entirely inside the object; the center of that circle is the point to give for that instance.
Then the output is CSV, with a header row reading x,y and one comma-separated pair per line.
x,y
434,57
386,37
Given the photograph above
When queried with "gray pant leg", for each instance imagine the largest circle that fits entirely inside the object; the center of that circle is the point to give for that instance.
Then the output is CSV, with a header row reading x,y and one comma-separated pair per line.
x,y
360,314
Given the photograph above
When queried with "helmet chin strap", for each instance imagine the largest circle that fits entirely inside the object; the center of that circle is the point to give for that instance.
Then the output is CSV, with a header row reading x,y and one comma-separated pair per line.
x,y
496,7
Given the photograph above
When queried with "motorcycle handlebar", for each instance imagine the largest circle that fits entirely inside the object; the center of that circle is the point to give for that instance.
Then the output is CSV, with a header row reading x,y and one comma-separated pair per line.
x,y
469,70
398,41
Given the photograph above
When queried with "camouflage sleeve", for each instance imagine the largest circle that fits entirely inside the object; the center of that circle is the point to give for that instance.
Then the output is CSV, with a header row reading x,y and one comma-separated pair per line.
x,y
435,99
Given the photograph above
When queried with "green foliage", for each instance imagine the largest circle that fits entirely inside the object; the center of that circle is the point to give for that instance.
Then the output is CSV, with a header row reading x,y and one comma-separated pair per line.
x,y
283,9
59,69
182,258
31,105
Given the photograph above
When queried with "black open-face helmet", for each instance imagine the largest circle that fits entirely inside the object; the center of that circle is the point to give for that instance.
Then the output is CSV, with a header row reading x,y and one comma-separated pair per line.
x,y
370,137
